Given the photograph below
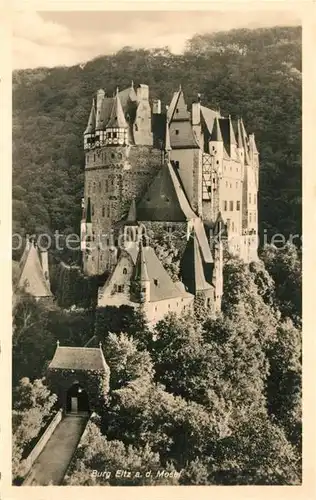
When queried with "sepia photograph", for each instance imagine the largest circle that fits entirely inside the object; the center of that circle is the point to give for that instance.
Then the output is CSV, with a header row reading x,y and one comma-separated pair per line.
x,y
157,248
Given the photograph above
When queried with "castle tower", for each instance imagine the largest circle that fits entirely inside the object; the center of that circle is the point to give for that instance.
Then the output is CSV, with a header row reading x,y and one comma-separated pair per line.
x,y
217,244
116,132
212,176
120,162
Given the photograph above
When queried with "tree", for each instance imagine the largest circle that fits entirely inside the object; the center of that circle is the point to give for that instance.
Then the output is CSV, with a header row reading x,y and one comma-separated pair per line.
x,y
285,266
96,453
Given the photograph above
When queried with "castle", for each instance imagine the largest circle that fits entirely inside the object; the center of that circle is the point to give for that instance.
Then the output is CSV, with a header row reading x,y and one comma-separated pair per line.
x,y
193,174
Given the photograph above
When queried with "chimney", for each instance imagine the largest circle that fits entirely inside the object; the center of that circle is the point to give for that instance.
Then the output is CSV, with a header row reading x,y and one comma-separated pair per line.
x,y
157,107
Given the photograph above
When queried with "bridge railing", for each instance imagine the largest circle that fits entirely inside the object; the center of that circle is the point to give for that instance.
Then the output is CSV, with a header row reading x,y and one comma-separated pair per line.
x,y
26,465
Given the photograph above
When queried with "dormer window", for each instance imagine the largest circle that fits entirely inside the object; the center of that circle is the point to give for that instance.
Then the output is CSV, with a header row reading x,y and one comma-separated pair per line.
x,y
124,270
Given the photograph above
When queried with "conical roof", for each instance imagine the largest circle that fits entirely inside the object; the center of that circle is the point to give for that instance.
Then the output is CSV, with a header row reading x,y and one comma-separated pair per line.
x,y
245,141
117,118
91,122
239,135
232,133
216,134
141,271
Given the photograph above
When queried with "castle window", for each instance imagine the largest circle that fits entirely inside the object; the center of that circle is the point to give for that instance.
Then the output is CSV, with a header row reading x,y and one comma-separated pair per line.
x,y
120,288
238,205
249,197
176,164
108,212
106,185
92,210
103,211
237,184
156,282
177,111
99,186
124,270
217,162
156,308
225,206
112,155
93,235
115,135
231,205
168,306
233,226
136,127
208,302
143,289
177,132
97,137
250,217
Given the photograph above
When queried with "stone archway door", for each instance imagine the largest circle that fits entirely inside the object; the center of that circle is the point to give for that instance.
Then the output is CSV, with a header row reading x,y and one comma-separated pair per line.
x,y
77,400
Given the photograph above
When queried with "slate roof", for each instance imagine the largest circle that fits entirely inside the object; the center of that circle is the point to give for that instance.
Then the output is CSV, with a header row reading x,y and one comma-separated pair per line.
x,y
201,237
91,122
216,134
161,285
191,267
31,273
165,199
117,117
209,116
78,358
182,135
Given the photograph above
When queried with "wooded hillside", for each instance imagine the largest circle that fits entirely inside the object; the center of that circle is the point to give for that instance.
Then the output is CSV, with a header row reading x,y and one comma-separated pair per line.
x,y
255,74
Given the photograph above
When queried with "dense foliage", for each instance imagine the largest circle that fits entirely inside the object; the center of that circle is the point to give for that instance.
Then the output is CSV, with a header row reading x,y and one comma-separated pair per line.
x,y
251,73
215,398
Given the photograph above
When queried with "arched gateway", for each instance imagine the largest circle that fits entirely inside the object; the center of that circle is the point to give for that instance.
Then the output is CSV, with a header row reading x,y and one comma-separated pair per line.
x,y
80,378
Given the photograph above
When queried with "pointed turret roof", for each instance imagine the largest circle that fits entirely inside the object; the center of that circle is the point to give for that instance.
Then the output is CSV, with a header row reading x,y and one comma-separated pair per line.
x,y
232,133
165,199
216,132
141,271
32,277
239,135
252,144
178,109
245,142
191,267
91,122
88,211
117,118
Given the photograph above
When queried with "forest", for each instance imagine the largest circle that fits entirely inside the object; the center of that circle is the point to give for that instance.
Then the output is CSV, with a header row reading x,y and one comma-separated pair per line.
x,y
217,398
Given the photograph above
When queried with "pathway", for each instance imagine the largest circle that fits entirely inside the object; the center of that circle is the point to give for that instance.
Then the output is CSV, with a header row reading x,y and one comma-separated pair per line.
x,y
51,465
